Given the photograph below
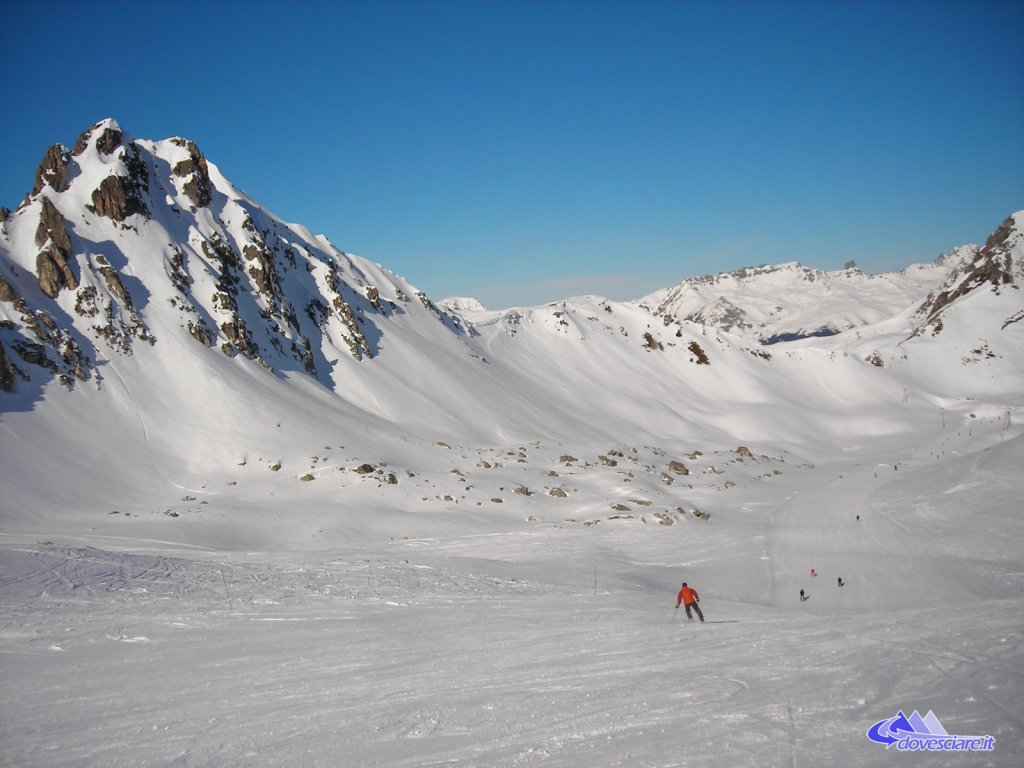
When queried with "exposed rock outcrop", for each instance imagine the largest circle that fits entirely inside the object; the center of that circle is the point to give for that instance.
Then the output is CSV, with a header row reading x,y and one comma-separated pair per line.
x,y
52,171
6,371
699,355
70,363
200,332
237,332
198,187
119,197
652,343
82,142
53,267
107,142
355,339
7,292
263,272
114,283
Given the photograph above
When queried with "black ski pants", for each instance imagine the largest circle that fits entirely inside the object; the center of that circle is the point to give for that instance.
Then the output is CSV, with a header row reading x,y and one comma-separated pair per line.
x,y
695,607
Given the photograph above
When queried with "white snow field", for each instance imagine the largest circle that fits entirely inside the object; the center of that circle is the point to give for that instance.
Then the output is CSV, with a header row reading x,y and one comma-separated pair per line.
x,y
552,643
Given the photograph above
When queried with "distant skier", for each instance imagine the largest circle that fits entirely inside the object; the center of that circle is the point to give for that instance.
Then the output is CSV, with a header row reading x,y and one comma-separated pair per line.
x,y
689,598
803,596
840,582
813,573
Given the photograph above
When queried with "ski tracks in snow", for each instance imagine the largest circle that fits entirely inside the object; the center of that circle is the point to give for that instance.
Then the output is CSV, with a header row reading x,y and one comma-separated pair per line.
x,y
462,657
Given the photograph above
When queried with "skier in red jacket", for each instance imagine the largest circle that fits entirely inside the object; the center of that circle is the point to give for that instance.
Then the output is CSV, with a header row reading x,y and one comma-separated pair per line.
x,y
689,598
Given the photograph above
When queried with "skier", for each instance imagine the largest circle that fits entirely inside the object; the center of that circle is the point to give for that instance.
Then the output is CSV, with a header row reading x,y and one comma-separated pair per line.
x,y
689,598
840,582
813,573
804,597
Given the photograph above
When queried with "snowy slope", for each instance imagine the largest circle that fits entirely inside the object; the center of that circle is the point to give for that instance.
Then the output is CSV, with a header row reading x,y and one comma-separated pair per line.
x,y
547,644
263,502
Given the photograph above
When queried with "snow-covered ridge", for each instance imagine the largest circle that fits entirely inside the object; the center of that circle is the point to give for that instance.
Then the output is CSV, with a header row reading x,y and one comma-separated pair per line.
x,y
179,312
462,304
772,303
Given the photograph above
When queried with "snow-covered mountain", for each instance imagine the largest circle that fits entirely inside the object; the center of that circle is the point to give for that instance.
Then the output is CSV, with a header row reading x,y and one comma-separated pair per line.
x,y
136,273
123,240
264,502
462,304
996,268
784,302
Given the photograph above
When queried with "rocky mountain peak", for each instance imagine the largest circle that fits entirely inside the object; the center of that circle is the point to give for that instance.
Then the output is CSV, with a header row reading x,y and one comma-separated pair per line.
x,y
993,267
119,227
105,136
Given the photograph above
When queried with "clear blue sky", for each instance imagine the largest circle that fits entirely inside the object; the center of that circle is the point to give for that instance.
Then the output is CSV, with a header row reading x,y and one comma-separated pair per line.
x,y
522,152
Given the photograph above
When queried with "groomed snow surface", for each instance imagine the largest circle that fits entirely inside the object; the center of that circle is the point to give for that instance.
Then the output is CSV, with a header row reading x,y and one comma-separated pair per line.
x,y
546,643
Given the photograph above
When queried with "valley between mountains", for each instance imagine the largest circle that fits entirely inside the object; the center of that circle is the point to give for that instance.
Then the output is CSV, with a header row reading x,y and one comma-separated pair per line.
x,y
264,502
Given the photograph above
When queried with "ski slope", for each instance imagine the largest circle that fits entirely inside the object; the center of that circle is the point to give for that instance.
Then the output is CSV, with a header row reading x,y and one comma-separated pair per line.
x,y
263,503
545,644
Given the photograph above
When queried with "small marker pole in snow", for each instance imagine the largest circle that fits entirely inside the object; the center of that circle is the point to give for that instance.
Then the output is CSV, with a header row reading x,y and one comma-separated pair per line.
x,y
231,606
